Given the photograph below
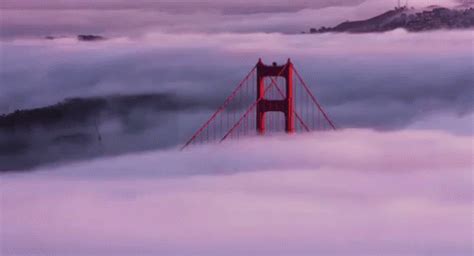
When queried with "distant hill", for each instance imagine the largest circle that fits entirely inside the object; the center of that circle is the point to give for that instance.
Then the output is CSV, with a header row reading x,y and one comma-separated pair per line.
x,y
82,111
431,18
81,128
84,38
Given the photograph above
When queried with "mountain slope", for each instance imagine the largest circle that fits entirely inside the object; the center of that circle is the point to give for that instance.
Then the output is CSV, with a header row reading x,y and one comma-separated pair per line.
x,y
432,18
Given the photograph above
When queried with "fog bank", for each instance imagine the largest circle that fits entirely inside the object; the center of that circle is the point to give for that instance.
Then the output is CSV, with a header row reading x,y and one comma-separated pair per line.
x,y
353,192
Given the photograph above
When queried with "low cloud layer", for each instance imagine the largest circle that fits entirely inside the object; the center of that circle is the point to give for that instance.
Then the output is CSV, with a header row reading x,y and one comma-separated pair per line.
x,y
354,192
377,80
384,81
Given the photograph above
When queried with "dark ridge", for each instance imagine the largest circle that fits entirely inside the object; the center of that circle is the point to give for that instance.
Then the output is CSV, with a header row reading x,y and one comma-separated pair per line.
x,y
90,38
408,19
70,111
77,111
77,128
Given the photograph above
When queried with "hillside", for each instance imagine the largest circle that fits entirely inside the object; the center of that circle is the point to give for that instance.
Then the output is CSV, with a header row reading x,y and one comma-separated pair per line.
x,y
79,128
432,18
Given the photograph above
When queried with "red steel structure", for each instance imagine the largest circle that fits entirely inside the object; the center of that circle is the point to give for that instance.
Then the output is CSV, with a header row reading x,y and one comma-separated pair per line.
x,y
284,105
266,95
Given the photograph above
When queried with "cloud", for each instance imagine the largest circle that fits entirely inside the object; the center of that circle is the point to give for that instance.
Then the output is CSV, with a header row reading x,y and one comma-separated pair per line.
x,y
353,192
364,80
375,80
448,122
385,81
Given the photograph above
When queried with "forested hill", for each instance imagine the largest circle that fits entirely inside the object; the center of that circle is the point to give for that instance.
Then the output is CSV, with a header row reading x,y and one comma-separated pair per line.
x,y
432,18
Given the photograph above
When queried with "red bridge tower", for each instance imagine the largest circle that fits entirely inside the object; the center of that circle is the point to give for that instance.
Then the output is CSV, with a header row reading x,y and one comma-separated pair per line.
x,y
266,105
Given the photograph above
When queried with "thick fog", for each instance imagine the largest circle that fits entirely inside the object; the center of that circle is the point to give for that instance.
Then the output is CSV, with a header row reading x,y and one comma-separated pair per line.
x,y
101,123
384,81
354,192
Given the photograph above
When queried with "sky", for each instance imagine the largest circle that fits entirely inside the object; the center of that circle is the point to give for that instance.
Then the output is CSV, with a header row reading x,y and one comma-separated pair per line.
x,y
394,179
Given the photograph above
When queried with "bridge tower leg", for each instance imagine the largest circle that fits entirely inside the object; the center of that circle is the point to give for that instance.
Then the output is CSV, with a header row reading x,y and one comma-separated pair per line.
x,y
265,105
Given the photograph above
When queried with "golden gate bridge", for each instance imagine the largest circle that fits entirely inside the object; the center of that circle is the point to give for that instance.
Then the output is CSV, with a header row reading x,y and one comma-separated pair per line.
x,y
270,99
